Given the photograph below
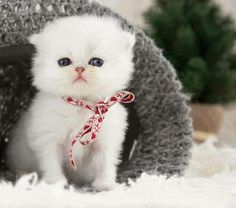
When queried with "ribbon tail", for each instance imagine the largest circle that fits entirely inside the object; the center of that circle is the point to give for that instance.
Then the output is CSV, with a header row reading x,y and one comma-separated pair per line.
x,y
73,164
86,129
94,126
71,158
78,136
94,131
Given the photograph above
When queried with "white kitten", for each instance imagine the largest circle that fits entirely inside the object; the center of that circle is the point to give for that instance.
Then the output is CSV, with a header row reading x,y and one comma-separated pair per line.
x,y
88,57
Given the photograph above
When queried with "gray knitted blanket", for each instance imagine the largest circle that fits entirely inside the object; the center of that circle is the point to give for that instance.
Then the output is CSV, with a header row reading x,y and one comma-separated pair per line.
x,y
164,140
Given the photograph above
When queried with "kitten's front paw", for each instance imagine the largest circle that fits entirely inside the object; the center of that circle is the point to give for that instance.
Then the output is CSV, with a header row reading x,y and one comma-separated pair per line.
x,y
62,182
55,179
104,185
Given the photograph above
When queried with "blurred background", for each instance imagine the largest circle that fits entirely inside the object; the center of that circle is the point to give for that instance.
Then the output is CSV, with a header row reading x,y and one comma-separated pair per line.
x,y
198,37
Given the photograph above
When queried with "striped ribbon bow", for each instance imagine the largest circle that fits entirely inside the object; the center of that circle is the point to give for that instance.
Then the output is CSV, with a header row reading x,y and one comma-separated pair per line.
x,y
91,128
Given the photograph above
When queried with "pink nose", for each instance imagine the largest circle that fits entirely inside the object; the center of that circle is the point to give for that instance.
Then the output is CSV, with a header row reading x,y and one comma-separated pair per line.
x,y
80,70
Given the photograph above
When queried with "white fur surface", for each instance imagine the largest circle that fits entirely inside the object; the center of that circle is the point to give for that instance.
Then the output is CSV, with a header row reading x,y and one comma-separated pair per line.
x,y
200,188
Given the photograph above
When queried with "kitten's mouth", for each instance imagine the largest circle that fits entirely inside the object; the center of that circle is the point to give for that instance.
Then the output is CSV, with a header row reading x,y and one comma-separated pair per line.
x,y
80,79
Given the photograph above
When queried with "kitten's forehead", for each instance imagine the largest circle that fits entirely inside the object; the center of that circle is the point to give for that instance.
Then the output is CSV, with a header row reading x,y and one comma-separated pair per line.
x,y
86,32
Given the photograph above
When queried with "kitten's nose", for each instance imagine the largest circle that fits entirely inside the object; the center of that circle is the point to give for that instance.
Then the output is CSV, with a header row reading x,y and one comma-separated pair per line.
x,y
80,69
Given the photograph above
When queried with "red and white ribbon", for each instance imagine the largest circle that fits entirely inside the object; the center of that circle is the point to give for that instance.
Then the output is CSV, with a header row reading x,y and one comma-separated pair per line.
x,y
93,125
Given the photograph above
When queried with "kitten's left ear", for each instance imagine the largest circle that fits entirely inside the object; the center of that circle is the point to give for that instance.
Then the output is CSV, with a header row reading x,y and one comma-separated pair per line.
x,y
34,39
128,40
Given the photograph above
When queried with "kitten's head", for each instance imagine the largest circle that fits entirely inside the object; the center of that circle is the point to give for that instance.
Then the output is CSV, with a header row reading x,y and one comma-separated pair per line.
x,y
89,57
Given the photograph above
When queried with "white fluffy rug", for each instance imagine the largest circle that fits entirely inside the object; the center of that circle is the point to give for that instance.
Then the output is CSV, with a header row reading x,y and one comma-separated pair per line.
x,y
210,182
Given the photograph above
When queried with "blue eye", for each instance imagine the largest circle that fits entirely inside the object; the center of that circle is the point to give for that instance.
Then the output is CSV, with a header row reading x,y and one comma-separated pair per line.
x,y
64,62
96,62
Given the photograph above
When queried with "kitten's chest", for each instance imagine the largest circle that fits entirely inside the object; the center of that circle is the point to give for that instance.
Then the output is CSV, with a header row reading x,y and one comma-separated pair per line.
x,y
78,117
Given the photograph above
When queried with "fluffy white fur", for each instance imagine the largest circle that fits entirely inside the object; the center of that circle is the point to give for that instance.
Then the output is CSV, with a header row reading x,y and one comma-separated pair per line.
x,y
42,136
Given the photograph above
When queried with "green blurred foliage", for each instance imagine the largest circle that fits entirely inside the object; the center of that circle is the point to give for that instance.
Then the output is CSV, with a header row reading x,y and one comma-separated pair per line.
x,y
198,40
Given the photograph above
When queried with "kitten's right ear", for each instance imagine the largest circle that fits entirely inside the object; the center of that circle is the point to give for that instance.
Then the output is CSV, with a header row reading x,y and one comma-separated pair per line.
x,y
34,39
127,40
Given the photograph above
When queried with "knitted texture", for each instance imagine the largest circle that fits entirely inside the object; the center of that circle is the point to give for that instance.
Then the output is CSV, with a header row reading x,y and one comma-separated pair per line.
x,y
165,139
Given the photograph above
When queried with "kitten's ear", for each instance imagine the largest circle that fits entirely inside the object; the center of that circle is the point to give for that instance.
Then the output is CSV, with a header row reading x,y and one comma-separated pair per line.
x,y
34,39
128,40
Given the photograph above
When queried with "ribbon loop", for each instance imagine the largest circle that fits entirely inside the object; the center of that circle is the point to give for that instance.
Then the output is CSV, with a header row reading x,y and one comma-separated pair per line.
x,y
92,127
128,98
